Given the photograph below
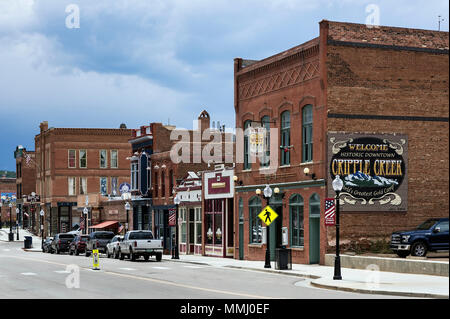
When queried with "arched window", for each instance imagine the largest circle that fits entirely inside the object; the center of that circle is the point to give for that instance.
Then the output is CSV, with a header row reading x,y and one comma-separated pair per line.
x,y
314,205
285,133
254,208
247,164
307,131
265,159
296,220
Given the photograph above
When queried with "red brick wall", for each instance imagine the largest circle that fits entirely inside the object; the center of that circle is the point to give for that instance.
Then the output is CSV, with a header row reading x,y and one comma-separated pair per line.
x,y
377,81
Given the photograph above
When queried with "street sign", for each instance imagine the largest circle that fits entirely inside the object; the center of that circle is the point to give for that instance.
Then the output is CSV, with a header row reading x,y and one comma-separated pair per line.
x,y
95,259
268,215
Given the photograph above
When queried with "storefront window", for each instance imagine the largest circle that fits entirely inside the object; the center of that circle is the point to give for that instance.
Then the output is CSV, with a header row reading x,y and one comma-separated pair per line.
x,y
198,226
183,225
296,217
209,228
254,222
218,229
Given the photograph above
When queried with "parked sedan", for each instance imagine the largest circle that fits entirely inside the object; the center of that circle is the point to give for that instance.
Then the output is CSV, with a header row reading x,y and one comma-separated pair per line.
x,y
47,245
78,245
112,248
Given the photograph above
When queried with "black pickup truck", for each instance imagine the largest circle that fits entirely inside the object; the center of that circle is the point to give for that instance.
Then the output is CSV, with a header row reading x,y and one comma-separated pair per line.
x,y
61,243
431,235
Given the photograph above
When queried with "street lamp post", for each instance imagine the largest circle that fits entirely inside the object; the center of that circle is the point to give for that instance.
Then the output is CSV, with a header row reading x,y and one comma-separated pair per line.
x,y
11,235
177,202
85,213
127,209
267,195
41,213
337,186
17,222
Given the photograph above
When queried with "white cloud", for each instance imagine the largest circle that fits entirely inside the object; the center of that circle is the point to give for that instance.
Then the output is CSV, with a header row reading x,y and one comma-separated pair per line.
x,y
16,14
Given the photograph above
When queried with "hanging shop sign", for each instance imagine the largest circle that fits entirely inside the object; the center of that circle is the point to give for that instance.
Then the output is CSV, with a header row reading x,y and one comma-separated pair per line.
x,y
373,169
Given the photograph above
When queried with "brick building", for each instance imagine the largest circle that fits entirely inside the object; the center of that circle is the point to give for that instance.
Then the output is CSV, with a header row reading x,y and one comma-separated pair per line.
x,y
78,161
25,184
155,174
8,194
384,89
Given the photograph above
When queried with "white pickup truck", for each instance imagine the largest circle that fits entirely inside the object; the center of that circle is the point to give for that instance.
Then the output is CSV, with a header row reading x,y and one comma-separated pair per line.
x,y
138,243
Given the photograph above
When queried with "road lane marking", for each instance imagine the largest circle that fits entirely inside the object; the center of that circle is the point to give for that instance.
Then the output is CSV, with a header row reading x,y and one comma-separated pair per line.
x,y
62,271
160,268
131,269
28,274
163,282
194,267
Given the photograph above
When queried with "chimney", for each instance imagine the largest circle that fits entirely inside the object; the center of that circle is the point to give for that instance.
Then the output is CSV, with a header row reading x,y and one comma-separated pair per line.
x,y
44,126
203,121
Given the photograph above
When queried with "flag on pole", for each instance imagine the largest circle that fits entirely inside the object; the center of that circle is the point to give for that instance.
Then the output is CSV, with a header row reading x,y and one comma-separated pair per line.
x,y
120,228
330,212
82,223
172,216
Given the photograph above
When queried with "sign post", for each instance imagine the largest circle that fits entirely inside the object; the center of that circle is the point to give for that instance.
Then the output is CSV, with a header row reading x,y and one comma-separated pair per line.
x,y
95,259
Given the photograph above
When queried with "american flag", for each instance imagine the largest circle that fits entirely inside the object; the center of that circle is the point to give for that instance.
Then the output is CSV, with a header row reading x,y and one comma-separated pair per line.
x,y
120,228
172,217
82,222
330,212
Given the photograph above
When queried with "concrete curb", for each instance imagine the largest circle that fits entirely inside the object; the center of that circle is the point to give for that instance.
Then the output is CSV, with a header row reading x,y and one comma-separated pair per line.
x,y
380,292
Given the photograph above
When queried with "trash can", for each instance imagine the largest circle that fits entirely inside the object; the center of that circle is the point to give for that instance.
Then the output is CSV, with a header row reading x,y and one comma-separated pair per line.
x,y
10,236
28,242
283,259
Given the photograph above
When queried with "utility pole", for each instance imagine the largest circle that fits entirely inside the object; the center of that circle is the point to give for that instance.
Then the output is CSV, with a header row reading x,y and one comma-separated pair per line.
x,y
440,19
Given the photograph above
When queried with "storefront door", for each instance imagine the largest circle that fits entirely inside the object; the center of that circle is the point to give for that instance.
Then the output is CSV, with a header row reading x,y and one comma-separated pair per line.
x,y
275,227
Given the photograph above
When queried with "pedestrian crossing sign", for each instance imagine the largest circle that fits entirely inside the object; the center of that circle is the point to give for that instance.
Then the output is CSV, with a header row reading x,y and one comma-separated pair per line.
x,y
268,215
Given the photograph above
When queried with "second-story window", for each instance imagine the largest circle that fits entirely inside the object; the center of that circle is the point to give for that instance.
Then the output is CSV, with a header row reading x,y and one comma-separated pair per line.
x,y
83,159
83,185
247,163
163,184
103,159
103,185
72,162
307,131
265,162
285,138
134,176
114,159
72,186
155,188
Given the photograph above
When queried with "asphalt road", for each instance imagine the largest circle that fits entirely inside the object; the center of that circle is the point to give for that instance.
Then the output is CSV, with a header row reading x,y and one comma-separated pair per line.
x,y
35,275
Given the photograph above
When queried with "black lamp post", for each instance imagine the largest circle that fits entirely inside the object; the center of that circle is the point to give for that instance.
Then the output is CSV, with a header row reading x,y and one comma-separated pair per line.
x,y
1,204
11,235
17,222
337,186
85,213
267,195
41,213
175,253
127,209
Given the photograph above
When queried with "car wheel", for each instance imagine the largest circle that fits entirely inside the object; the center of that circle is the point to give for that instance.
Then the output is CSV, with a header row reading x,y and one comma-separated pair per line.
x,y
132,256
158,256
87,254
116,254
121,256
107,253
146,257
57,251
419,249
76,252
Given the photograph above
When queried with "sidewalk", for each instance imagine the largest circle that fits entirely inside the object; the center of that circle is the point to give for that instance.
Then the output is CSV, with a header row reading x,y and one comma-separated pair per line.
x,y
353,280
22,233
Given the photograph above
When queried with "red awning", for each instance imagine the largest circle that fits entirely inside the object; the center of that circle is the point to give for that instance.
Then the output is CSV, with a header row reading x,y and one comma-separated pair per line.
x,y
105,224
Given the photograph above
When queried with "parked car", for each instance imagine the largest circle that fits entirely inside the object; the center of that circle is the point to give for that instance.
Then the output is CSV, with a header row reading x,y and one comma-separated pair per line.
x,y
138,243
46,245
78,245
61,243
98,240
112,248
431,235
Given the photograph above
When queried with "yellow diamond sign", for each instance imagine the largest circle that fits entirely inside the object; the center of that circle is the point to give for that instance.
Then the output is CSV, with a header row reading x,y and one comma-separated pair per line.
x,y
268,215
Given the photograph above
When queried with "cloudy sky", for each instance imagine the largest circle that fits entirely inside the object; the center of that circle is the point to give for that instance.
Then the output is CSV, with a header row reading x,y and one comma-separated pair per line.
x,y
142,61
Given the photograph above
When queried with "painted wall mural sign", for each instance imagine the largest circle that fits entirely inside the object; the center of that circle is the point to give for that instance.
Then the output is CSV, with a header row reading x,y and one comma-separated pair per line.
x,y
373,169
